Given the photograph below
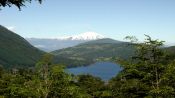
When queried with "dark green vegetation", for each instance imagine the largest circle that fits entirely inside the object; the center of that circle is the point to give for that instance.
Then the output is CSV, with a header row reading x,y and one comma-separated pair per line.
x,y
171,49
15,51
48,80
93,51
149,74
18,3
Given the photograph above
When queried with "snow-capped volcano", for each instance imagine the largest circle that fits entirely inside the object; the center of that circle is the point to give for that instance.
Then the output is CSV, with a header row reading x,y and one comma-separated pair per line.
x,y
84,36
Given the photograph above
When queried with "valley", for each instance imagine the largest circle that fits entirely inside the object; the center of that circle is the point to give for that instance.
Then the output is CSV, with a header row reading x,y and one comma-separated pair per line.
x,y
87,49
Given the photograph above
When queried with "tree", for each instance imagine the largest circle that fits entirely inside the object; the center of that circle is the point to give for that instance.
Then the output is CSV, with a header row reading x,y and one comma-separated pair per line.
x,y
144,76
63,85
18,3
52,81
92,85
43,75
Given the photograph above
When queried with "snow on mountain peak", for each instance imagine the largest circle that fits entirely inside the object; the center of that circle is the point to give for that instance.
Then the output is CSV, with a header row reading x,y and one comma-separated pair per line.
x,y
85,36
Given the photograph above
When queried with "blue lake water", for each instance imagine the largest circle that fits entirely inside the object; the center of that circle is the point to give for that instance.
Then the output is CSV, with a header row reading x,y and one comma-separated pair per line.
x,y
104,70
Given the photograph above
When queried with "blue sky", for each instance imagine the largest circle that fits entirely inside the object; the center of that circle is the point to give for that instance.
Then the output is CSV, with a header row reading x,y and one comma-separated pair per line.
x,y
111,18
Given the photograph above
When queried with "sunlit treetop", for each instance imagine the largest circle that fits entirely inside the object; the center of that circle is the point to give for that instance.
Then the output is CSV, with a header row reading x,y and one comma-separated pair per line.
x,y
18,3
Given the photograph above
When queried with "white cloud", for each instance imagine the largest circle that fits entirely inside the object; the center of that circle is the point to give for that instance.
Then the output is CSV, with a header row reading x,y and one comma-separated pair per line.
x,y
40,46
12,28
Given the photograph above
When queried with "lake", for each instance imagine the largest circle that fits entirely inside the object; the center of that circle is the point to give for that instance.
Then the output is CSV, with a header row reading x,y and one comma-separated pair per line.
x,y
104,70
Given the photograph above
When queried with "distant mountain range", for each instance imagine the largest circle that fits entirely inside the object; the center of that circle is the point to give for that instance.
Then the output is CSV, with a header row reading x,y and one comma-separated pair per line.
x,y
16,51
78,50
51,44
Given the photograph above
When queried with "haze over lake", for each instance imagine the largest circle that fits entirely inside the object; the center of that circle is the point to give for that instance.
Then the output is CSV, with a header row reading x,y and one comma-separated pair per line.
x,y
104,70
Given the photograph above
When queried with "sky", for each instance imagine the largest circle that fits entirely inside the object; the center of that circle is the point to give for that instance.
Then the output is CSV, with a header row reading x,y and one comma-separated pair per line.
x,y
111,18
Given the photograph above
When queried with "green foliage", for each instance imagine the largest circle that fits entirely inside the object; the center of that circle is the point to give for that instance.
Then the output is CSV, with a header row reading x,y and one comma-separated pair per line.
x,y
48,80
93,86
147,75
55,82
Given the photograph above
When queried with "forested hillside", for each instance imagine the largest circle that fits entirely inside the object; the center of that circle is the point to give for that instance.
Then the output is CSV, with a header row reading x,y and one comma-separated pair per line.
x,y
15,51
93,51
170,49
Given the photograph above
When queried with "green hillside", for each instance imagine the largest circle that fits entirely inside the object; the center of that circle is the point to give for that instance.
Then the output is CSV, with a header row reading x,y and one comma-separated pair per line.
x,y
15,51
93,51
171,49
